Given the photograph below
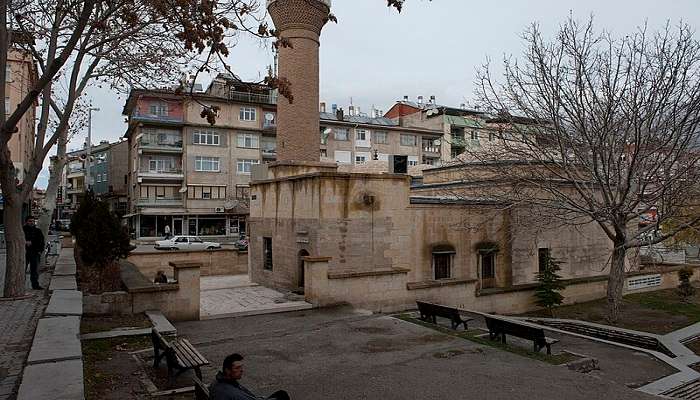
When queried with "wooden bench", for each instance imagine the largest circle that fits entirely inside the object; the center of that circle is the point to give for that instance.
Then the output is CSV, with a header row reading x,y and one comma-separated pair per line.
x,y
201,391
500,327
179,354
429,312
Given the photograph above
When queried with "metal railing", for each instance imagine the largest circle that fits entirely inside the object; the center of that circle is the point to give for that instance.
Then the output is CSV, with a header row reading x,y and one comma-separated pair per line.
x,y
253,97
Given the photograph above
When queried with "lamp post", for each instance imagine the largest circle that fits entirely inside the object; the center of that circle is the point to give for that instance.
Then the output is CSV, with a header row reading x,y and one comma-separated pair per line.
x,y
88,178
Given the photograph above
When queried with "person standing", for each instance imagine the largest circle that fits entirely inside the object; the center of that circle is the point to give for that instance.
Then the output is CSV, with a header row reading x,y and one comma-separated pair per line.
x,y
34,245
167,232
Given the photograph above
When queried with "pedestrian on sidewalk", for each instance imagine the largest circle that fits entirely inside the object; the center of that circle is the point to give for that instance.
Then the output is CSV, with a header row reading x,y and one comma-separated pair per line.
x,y
226,386
34,245
167,232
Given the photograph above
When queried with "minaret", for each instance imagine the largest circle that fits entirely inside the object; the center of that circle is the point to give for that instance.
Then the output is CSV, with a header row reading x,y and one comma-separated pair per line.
x,y
300,22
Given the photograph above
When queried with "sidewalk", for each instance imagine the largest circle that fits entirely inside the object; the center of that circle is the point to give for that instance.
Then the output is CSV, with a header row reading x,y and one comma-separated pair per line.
x,y
19,319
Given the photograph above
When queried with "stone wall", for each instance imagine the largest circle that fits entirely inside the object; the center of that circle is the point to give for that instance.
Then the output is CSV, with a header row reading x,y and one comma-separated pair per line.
x,y
389,291
213,262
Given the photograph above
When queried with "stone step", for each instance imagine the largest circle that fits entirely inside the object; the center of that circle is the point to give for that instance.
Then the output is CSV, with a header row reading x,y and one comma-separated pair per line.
x,y
688,391
53,380
56,339
65,302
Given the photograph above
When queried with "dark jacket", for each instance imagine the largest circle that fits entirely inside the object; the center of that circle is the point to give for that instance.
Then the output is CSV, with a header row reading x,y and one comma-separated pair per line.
x,y
229,389
34,235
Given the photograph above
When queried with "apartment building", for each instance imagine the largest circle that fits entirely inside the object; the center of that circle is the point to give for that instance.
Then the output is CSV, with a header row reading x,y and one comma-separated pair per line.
x,y
462,128
356,139
187,174
108,171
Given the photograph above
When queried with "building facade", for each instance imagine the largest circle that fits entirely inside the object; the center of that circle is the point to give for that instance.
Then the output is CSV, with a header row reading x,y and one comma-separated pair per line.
x,y
108,172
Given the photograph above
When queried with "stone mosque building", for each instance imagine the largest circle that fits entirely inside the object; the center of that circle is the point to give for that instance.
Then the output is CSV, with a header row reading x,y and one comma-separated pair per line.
x,y
380,242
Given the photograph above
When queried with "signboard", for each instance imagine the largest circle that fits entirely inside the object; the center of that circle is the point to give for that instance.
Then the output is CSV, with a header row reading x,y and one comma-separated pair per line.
x,y
649,217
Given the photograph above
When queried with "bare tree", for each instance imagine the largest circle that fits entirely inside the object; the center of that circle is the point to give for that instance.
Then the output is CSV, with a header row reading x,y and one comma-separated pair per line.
x,y
589,128
81,42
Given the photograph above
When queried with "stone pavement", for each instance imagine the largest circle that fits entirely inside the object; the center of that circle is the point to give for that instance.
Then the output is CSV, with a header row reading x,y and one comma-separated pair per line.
x,y
236,296
18,319
340,354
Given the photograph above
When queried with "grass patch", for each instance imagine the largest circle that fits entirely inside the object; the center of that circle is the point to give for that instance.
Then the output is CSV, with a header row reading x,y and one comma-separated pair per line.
x,y
471,335
658,312
102,323
99,358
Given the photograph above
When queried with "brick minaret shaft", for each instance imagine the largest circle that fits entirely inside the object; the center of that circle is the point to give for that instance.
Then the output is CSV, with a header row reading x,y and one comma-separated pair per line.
x,y
299,21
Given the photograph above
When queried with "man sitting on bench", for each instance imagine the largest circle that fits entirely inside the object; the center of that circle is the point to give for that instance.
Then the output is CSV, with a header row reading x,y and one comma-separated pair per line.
x,y
226,386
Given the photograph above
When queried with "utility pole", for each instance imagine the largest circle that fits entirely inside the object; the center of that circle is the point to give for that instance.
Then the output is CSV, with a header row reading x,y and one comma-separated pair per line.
x,y
88,178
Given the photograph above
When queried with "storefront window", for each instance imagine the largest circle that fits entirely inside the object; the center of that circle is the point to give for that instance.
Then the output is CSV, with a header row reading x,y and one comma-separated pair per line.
x,y
211,226
148,226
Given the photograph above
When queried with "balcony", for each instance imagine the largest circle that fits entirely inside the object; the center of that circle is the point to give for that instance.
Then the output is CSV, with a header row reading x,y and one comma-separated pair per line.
x,y
75,173
75,190
146,117
160,202
269,153
158,145
431,151
253,97
162,174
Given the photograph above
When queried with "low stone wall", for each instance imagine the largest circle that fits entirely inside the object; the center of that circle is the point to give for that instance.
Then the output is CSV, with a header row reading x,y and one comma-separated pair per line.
x,y
389,291
213,262
177,301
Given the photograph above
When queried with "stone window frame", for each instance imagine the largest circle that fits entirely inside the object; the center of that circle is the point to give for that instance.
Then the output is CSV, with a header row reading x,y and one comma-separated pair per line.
x,y
267,253
447,252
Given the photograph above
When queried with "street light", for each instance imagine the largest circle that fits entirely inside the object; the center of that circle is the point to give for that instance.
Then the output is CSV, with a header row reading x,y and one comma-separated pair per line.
x,y
89,147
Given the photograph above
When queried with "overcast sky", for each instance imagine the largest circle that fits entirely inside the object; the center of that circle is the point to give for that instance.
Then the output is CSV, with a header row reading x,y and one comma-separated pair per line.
x,y
376,56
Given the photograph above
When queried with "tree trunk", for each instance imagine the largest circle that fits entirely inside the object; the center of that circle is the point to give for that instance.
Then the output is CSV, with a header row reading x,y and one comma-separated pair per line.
x,y
52,189
616,281
14,237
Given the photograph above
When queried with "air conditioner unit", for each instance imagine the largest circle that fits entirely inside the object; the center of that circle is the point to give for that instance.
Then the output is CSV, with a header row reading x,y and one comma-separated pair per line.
x,y
219,209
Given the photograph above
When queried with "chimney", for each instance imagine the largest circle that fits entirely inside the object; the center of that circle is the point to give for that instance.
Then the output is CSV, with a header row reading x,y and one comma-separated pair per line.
x,y
432,99
405,98
351,111
334,108
339,114
463,106
322,107
420,99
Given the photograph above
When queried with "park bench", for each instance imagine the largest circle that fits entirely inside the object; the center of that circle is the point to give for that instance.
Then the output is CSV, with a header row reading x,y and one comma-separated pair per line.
x,y
201,391
429,312
179,354
500,327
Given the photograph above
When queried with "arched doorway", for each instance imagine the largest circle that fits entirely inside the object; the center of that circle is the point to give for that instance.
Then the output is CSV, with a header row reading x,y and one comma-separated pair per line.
x,y
302,253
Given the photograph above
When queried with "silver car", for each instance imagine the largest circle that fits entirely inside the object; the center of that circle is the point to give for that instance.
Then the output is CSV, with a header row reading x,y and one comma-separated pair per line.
x,y
185,243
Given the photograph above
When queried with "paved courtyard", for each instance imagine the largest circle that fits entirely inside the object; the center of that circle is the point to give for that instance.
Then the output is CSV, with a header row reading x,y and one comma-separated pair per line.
x,y
340,354
235,295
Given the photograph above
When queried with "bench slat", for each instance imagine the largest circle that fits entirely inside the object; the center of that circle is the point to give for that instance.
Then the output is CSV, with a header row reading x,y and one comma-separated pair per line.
x,y
184,358
195,355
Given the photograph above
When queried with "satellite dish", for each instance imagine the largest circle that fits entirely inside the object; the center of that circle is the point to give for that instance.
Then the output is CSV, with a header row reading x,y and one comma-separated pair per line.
x,y
327,131
229,204
269,117
436,142
183,189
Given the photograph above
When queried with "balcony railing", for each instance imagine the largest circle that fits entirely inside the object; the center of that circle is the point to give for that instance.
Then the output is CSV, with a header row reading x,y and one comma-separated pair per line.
x,y
153,143
431,149
156,117
171,173
269,152
253,97
160,201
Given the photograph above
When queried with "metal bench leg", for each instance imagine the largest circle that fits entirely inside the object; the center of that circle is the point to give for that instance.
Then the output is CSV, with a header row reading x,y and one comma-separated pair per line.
x,y
549,350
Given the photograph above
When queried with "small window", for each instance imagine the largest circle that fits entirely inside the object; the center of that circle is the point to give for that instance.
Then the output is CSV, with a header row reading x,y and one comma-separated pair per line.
x,y
208,137
324,153
381,137
340,134
490,136
408,140
488,270
158,109
267,253
243,167
361,158
474,135
247,114
247,141
542,257
206,164
443,258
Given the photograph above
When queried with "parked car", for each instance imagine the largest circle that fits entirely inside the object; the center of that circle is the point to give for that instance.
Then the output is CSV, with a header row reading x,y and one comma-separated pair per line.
x,y
185,243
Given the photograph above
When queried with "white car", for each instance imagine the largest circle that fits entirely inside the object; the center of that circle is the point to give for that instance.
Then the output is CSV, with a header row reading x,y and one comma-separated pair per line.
x,y
185,243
